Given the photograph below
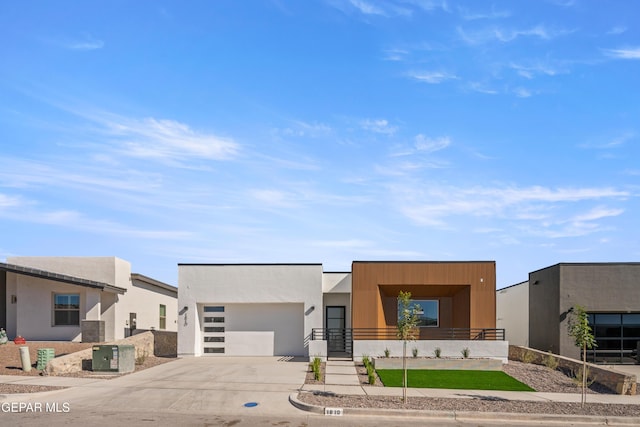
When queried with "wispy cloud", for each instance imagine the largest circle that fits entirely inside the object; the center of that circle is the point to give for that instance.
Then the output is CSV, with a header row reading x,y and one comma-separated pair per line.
x,y
596,213
615,142
506,35
624,53
378,126
532,70
86,43
521,92
482,88
430,145
305,129
433,206
371,8
617,30
9,201
431,77
395,54
166,139
467,15
76,220
367,8
429,5
422,144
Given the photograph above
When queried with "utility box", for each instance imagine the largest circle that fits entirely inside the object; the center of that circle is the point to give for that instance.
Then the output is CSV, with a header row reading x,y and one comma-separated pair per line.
x,y
114,358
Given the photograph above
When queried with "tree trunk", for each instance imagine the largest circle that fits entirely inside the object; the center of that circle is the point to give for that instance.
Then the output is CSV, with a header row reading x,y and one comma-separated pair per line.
x,y
404,371
584,374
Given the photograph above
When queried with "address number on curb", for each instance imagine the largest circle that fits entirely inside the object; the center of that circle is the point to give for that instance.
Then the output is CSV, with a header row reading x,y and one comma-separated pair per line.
x,y
336,412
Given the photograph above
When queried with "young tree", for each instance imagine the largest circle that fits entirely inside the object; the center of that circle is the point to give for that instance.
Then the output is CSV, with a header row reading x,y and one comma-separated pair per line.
x,y
582,334
407,329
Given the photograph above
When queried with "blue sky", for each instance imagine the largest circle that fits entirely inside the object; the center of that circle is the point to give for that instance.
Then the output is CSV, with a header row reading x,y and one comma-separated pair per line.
x,y
321,131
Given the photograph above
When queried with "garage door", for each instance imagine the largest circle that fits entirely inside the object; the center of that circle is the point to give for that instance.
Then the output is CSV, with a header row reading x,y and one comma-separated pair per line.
x,y
253,329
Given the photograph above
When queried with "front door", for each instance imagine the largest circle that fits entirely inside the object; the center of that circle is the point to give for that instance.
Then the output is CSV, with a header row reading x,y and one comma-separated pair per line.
x,y
335,330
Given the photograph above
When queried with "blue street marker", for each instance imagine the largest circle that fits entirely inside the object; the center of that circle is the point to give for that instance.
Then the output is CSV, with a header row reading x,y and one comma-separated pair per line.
x,y
250,404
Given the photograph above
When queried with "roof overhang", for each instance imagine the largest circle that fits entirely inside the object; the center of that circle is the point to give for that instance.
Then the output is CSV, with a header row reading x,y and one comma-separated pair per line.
x,y
63,278
154,282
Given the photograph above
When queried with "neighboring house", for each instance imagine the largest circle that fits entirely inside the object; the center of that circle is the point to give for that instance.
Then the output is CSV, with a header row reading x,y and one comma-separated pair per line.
x,y
90,299
513,317
299,310
609,292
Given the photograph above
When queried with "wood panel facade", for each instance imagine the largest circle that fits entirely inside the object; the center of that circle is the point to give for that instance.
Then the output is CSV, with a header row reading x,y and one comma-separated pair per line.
x,y
466,292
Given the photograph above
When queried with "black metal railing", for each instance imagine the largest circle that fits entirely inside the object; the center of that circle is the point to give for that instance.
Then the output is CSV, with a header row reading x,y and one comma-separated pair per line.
x,y
482,334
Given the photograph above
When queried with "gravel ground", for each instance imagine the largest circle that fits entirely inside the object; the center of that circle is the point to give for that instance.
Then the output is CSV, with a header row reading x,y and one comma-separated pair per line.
x,y
540,378
485,404
10,364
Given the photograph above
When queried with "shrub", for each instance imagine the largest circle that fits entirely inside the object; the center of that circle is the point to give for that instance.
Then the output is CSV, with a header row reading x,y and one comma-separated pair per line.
x,y
437,352
528,356
577,377
315,367
415,351
550,361
387,352
465,352
365,360
371,374
141,357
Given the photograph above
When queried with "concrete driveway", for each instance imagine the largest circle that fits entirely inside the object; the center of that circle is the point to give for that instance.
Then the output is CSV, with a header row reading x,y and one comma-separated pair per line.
x,y
204,385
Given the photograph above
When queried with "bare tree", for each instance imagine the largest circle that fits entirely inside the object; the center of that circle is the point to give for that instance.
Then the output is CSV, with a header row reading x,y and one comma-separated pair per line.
x,y
582,334
407,330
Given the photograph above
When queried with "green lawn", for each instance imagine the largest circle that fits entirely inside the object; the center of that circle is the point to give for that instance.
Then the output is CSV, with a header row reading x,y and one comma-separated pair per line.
x,y
468,380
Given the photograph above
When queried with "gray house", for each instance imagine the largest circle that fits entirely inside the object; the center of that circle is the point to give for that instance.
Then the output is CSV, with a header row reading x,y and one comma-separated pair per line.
x,y
610,292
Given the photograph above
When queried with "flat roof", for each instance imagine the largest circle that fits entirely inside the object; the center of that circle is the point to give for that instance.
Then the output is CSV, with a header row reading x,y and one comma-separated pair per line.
x,y
56,277
249,264
585,264
423,262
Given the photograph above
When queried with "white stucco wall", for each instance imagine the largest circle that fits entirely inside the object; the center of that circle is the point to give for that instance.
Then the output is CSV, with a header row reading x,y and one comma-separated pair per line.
x,y
333,282
512,313
240,286
12,307
449,348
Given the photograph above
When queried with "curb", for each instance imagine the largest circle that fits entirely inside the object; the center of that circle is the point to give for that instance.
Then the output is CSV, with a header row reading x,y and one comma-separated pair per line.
x,y
472,416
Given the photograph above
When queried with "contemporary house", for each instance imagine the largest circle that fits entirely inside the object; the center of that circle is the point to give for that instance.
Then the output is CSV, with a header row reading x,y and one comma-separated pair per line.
x,y
90,299
300,310
610,293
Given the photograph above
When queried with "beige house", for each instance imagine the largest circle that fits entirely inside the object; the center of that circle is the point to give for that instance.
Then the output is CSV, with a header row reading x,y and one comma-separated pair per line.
x,y
90,299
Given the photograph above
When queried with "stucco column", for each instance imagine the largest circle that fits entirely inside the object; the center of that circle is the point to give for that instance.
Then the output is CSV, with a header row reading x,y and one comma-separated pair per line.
x,y
92,305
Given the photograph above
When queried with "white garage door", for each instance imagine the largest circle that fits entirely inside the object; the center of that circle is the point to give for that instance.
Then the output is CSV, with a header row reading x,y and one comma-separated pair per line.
x,y
253,329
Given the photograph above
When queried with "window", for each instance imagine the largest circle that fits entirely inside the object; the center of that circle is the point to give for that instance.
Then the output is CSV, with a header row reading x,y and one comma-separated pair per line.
x,y
214,309
213,329
214,349
617,336
66,309
163,316
428,313
214,320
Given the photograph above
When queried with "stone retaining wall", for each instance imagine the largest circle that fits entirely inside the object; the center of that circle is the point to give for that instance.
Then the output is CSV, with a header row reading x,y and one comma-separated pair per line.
x,y
619,382
165,343
75,362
